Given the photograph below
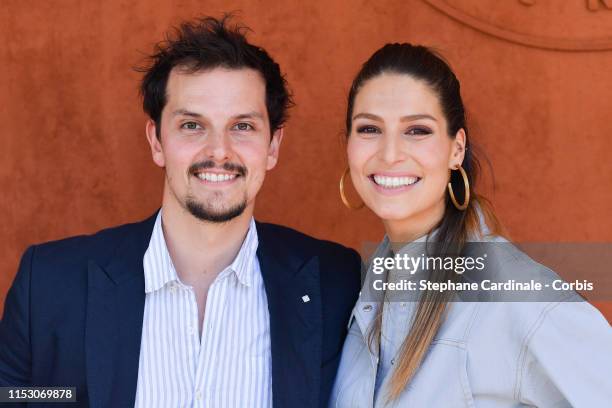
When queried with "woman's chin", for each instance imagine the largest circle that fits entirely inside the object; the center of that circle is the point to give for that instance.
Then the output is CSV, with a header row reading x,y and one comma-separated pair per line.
x,y
393,214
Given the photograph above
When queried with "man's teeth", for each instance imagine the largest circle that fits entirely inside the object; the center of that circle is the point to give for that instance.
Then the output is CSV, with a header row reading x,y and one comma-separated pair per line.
x,y
394,182
215,178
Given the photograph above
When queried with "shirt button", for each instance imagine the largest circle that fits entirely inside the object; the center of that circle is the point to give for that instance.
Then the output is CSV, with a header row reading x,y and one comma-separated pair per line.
x,y
403,304
198,395
367,308
172,288
392,361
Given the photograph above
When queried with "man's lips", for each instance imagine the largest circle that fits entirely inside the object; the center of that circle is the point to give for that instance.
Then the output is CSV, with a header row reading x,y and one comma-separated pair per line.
x,y
211,173
215,177
210,168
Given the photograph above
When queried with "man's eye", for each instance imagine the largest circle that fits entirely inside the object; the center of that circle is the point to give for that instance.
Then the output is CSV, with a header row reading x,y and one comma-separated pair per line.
x,y
190,126
243,126
367,129
418,131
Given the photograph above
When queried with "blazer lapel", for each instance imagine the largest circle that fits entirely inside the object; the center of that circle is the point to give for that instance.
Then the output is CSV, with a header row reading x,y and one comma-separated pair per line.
x,y
113,329
292,287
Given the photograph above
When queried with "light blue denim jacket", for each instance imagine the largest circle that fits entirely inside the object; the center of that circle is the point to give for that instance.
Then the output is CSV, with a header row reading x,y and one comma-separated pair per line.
x,y
486,354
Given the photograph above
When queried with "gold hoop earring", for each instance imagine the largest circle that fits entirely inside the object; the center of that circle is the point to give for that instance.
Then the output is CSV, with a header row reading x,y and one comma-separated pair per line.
x,y
345,201
466,184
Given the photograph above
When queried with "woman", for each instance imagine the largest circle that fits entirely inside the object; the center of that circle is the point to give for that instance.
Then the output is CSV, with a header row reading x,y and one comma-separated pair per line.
x,y
412,164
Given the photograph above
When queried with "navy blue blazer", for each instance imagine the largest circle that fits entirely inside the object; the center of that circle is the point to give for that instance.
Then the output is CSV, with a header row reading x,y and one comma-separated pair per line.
x,y
73,316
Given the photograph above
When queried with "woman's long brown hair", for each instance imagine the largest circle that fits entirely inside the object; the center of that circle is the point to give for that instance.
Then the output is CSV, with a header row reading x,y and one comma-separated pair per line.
x,y
456,226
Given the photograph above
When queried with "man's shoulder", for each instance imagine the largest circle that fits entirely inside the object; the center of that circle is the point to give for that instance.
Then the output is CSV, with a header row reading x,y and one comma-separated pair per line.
x,y
339,266
291,238
96,246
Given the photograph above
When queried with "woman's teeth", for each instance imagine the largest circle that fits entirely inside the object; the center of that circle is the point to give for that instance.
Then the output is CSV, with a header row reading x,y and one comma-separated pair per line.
x,y
394,182
215,178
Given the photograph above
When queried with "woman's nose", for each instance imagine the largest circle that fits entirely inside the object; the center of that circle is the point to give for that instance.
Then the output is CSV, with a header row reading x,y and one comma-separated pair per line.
x,y
391,150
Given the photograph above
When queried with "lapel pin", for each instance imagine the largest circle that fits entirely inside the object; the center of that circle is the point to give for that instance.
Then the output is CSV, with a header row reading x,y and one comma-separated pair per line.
x,y
305,299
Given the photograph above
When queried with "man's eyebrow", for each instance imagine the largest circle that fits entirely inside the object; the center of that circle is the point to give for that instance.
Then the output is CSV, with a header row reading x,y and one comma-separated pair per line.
x,y
250,115
185,112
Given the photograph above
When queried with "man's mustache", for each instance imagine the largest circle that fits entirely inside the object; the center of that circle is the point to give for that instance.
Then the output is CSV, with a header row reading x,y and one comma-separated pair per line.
x,y
210,164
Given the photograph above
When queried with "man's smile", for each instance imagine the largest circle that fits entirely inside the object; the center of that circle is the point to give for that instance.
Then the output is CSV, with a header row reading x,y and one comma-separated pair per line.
x,y
217,178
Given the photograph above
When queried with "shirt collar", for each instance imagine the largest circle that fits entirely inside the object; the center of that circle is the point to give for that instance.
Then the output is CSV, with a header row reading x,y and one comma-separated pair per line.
x,y
244,263
159,269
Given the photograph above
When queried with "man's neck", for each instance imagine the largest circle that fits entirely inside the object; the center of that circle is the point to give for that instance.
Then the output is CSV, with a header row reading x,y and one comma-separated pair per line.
x,y
200,250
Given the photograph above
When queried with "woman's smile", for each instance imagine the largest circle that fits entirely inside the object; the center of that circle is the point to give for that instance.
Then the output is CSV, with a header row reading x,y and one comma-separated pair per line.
x,y
393,183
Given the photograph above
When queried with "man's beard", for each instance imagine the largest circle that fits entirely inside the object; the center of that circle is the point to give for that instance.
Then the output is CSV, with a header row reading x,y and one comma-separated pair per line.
x,y
206,213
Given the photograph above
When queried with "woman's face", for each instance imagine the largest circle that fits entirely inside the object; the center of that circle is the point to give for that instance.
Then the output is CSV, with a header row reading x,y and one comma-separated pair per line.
x,y
399,150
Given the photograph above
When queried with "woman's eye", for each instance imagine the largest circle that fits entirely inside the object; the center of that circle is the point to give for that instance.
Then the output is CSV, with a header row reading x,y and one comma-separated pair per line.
x,y
418,131
243,126
190,126
367,129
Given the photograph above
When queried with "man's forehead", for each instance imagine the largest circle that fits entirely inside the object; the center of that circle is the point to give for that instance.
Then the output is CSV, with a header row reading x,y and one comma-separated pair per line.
x,y
241,89
196,114
216,78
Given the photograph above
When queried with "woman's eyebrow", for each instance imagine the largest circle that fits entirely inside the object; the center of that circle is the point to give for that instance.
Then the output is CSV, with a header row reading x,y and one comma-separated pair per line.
x,y
368,116
405,118
416,116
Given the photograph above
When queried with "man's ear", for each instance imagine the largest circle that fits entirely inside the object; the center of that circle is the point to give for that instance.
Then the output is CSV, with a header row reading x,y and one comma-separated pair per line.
x,y
273,149
458,150
155,143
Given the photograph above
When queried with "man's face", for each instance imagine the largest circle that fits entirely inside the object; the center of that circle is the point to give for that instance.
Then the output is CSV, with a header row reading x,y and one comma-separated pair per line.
x,y
215,141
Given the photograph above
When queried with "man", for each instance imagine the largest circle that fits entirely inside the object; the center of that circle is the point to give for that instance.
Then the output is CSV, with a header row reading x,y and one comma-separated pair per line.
x,y
199,304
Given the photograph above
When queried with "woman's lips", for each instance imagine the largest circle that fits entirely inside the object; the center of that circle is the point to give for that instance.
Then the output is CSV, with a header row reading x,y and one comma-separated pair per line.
x,y
391,184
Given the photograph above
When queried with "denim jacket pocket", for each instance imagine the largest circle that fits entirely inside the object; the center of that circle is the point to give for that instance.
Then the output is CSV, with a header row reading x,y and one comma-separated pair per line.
x,y
441,380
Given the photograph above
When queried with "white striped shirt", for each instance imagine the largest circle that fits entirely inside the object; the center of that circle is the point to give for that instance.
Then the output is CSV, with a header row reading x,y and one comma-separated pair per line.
x,y
231,365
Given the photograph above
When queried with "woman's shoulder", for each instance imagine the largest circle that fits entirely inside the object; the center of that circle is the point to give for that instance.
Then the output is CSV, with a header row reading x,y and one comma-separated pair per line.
x,y
522,318
509,274
516,294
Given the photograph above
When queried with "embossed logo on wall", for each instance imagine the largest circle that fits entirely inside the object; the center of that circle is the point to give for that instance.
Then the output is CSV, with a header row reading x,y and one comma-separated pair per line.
x,y
568,25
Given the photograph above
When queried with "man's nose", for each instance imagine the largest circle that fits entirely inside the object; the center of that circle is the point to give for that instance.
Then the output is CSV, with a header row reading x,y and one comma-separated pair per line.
x,y
217,147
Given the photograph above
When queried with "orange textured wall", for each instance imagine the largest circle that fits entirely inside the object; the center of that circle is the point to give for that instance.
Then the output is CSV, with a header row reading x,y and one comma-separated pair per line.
x,y
535,77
